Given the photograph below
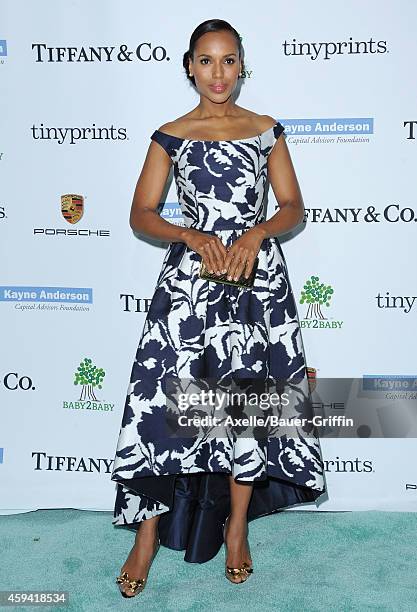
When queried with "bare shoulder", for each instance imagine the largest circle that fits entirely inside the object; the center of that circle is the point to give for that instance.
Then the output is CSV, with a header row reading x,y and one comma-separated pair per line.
x,y
177,127
265,122
261,123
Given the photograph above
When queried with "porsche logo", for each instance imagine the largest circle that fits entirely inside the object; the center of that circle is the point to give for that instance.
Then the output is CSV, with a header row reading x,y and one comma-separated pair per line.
x,y
312,378
72,207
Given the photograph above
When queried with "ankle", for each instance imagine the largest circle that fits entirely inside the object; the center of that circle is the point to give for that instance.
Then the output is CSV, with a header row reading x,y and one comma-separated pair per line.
x,y
237,520
147,536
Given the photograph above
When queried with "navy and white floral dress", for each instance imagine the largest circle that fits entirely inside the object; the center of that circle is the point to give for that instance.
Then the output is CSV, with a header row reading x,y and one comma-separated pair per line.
x,y
197,328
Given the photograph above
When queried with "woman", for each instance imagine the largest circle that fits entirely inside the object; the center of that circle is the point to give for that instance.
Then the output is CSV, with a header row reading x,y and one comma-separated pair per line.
x,y
191,493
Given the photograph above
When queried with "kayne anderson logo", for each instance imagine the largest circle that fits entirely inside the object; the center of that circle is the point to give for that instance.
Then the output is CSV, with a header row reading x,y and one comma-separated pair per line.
x,y
389,382
395,386
47,298
328,50
172,212
317,296
73,135
72,209
89,378
392,213
132,303
329,130
144,52
3,50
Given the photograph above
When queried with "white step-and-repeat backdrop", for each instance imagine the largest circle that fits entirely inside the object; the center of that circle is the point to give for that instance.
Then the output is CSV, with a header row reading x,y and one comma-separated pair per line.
x,y
83,86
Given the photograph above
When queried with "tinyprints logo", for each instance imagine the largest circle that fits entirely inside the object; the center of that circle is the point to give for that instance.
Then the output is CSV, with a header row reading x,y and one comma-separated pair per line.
x,y
172,212
3,50
356,465
89,377
327,49
328,130
73,135
46,298
399,302
317,295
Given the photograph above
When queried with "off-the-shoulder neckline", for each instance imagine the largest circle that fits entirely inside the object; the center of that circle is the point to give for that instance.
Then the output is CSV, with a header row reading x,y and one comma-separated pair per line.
x,y
211,141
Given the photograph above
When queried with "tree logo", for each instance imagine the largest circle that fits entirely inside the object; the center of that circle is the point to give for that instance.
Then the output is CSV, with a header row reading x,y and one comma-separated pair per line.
x,y
88,376
316,295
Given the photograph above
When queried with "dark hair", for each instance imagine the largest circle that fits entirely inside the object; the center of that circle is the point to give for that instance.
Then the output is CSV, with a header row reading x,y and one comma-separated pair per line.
x,y
211,25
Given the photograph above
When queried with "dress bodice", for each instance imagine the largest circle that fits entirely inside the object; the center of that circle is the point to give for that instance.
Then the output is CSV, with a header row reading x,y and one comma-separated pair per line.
x,y
221,183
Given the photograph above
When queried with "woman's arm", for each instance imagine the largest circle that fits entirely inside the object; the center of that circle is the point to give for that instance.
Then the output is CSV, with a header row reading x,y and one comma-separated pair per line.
x,y
144,217
285,186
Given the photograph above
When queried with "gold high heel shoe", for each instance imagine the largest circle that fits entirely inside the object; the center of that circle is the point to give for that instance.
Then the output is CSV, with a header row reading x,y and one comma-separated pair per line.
x,y
135,585
243,572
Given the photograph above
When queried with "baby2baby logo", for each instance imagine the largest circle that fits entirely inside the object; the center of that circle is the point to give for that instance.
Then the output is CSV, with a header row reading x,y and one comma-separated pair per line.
x,y
318,296
88,377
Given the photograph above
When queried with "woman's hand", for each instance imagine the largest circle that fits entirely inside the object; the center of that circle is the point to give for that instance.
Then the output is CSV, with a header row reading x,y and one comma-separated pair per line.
x,y
242,253
211,249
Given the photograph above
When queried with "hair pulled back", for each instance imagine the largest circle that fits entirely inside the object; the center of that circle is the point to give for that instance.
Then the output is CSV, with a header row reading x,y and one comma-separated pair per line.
x,y
211,25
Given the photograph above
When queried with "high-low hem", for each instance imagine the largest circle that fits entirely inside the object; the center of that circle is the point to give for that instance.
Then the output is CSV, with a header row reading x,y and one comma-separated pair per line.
x,y
192,520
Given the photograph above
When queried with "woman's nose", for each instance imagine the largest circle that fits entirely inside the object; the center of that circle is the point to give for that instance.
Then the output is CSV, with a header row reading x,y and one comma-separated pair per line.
x,y
217,70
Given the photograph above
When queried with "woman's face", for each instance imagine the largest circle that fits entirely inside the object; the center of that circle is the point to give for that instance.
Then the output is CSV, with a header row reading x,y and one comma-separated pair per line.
x,y
216,65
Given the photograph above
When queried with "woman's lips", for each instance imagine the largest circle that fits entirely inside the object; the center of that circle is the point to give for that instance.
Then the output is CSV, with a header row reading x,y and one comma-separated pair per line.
x,y
218,88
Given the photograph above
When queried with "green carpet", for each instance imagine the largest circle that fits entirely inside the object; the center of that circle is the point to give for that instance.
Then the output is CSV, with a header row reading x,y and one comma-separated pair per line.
x,y
313,561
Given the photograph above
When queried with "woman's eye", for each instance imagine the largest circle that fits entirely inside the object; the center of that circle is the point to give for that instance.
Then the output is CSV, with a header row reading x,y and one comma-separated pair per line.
x,y
205,59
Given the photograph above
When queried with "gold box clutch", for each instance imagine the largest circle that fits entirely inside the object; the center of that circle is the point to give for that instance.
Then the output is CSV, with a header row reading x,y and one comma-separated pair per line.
x,y
244,282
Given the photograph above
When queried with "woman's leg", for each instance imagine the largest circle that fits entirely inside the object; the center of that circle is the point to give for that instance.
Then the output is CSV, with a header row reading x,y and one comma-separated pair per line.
x,y
139,560
237,525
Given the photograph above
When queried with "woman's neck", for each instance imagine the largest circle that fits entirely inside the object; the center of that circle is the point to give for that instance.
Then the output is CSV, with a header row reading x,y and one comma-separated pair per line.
x,y
207,109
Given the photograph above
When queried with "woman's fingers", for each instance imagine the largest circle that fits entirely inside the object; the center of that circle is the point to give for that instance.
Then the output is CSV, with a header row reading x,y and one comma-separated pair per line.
x,y
214,253
207,257
249,265
238,262
220,253
235,261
